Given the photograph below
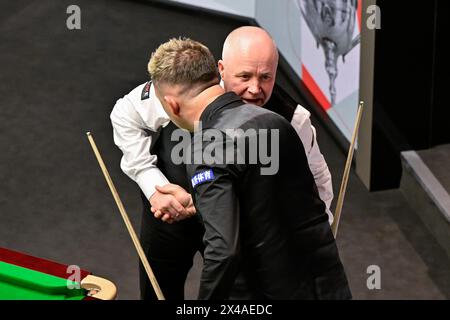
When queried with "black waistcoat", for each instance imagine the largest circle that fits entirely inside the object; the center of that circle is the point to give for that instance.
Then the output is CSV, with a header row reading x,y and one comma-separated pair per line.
x,y
162,146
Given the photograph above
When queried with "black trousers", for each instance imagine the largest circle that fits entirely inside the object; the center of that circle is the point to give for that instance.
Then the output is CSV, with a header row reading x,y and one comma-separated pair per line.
x,y
170,249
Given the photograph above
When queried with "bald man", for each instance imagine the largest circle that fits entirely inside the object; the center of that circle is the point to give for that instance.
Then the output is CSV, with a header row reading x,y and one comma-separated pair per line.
x,y
248,67
142,130
282,251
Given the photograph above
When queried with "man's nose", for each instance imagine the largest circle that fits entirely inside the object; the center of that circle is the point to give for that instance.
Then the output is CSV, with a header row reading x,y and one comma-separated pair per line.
x,y
254,87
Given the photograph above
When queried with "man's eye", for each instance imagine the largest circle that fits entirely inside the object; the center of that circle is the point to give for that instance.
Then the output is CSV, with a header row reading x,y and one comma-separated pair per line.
x,y
266,77
244,76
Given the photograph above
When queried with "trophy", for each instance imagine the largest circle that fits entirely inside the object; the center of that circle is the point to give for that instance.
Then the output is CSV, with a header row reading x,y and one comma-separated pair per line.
x,y
332,23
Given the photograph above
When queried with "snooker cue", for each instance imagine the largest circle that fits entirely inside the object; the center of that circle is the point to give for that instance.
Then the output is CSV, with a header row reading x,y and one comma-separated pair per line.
x,y
340,202
135,239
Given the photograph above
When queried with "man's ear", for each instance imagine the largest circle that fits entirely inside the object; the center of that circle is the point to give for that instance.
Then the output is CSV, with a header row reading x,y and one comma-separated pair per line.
x,y
173,105
220,67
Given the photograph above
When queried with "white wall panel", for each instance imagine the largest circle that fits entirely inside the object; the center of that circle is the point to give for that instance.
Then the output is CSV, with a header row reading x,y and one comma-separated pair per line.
x,y
244,8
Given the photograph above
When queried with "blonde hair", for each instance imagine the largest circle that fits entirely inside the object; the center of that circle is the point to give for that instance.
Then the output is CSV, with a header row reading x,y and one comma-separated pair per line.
x,y
182,61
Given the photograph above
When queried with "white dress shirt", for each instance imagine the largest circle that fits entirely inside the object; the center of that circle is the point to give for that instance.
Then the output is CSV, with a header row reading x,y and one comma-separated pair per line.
x,y
131,116
302,124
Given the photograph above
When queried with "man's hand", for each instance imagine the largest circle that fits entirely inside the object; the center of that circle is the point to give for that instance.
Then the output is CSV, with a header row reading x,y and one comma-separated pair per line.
x,y
172,203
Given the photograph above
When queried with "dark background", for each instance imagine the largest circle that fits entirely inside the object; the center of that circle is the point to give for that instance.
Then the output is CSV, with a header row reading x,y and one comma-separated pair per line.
x,y
410,83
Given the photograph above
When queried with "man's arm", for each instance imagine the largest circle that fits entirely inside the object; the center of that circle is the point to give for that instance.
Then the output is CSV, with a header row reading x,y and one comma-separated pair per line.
x,y
131,116
130,136
302,124
216,201
219,208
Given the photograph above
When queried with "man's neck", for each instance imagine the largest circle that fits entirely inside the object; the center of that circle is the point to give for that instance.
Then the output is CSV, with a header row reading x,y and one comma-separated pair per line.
x,y
204,98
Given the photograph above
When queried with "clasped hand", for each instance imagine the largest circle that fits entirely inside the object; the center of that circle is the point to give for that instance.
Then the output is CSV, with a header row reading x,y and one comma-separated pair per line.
x,y
171,203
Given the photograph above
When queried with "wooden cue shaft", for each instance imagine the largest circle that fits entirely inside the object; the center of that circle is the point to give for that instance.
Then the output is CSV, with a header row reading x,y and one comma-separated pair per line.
x,y
340,202
135,239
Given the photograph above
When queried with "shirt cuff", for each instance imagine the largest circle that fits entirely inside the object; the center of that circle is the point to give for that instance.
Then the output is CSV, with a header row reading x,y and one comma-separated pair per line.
x,y
148,179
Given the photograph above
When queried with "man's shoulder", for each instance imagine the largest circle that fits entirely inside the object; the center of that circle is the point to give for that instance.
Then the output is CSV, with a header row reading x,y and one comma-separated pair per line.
x,y
141,97
140,93
282,103
141,105
249,115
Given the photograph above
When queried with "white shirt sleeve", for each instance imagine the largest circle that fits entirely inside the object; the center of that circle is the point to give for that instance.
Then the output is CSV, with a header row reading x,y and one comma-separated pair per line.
x,y
302,124
130,117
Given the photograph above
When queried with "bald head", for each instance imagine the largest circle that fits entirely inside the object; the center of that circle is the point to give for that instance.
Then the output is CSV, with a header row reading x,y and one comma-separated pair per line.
x,y
248,38
249,63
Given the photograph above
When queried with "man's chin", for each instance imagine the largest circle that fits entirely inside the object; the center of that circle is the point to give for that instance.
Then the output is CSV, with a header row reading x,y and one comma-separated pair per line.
x,y
258,102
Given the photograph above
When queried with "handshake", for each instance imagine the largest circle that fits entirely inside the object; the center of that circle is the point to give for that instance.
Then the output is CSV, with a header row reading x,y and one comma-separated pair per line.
x,y
171,203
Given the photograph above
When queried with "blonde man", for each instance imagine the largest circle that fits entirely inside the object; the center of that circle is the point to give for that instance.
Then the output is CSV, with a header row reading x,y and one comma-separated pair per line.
x,y
283,251
248,67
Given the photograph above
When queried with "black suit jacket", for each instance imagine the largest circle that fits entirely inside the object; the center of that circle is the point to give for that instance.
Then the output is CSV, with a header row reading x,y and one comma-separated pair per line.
x,y
272,226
